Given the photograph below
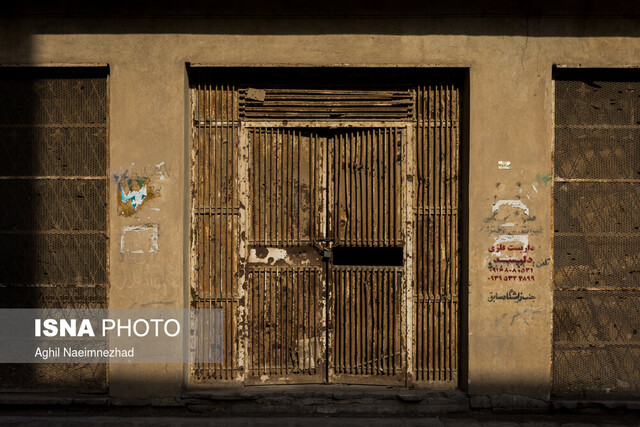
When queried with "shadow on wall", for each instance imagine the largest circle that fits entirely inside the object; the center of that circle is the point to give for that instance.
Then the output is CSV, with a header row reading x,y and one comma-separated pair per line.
x,y
405,17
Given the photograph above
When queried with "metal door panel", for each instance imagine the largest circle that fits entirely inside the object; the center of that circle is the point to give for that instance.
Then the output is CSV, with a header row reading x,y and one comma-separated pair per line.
x,y
286,283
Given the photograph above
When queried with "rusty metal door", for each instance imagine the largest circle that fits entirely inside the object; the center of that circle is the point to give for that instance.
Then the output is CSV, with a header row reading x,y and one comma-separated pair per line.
x,y
367,266
318,199
285,271
325,223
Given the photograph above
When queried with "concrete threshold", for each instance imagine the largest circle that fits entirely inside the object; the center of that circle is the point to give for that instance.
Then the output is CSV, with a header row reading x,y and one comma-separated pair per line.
x,y
53,399
341,400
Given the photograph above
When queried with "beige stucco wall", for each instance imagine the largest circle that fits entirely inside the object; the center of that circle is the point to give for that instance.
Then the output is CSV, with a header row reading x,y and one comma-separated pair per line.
x,y
510,119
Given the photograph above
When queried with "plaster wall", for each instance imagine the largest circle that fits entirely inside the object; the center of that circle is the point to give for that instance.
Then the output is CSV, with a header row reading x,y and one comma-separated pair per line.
x,y
510,118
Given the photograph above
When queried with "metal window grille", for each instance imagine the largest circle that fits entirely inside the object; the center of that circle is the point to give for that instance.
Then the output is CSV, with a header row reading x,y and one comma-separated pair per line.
x,y
53,180
597,234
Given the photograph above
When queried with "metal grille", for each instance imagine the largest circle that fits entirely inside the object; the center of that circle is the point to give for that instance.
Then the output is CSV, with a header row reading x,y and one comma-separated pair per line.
x,y
367,336
597,235
286,332
215,217
310,104
318,168
366,178
436,256
53,175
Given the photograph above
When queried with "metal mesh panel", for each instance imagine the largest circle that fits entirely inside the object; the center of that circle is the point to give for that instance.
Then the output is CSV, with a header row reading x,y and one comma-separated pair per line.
x,y
52,258
596,342
597,235
436,247
64,97
38,204
78,377
596,261
602,153
53,176
598,207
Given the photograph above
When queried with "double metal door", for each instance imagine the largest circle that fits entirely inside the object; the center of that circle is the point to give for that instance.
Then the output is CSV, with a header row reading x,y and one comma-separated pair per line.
x,y
325,259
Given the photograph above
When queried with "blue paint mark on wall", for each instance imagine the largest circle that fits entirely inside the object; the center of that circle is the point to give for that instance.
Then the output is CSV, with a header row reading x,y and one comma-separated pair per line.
x,y
136,197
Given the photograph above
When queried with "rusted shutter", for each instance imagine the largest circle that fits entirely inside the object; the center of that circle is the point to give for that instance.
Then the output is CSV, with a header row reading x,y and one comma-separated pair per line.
x,y
215,220
596,345
335,104
53,180
436,248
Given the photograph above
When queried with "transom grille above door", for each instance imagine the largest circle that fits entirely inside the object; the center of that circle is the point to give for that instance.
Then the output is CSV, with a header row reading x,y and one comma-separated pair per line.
x,y
325,223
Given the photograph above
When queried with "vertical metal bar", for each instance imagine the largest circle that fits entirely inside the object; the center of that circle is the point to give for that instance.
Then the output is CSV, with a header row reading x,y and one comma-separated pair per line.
x,y
305,321
382,338
234,224
298,142
422,236
299,315
263,320
361,232
393,195
227,217
432,234
360,325
211,238
379,327
346,144
338,322
281,201
366,189
291,233
201,116
288,320
270,223
274,273
451,258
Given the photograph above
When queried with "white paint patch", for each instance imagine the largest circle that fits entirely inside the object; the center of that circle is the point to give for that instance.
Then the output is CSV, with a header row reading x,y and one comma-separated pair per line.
x,y
273,255
508,224
139,239
513,203
159,166
534,188
507,239
504,164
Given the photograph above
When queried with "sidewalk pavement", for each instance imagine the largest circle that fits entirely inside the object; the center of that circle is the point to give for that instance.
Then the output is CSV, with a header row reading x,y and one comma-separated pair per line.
x,y
474,419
